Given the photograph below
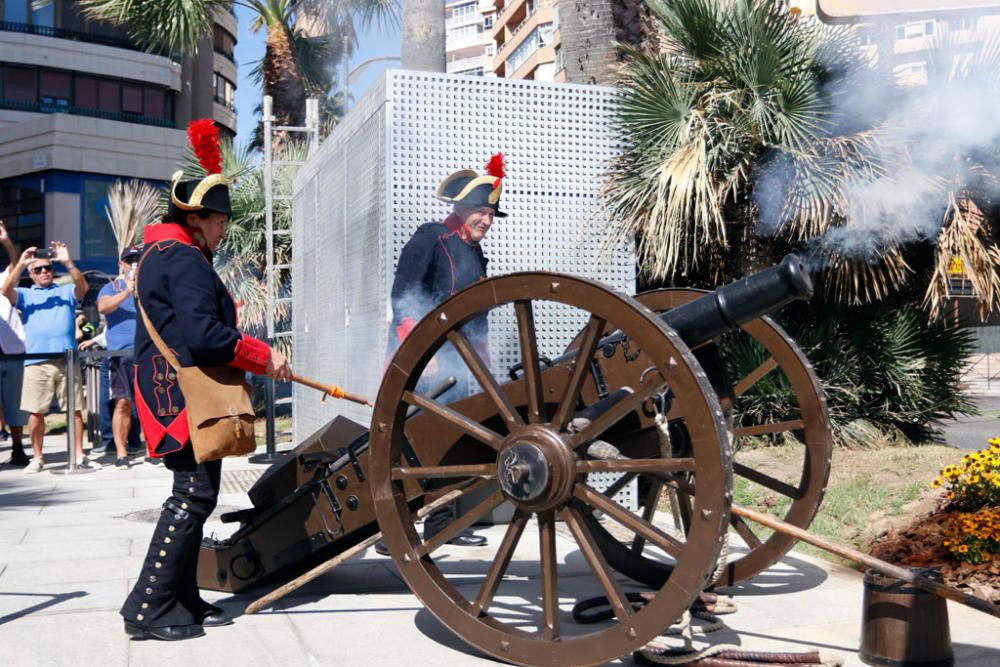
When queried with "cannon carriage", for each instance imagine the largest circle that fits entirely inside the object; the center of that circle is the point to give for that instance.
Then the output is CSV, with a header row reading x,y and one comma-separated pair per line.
x,y
640,394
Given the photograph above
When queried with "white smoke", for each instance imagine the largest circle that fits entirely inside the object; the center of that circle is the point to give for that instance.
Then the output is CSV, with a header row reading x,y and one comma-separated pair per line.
x,y
928,139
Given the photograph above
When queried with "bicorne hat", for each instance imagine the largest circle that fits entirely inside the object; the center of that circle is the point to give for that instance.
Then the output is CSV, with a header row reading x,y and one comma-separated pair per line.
x,y
467,188
210,193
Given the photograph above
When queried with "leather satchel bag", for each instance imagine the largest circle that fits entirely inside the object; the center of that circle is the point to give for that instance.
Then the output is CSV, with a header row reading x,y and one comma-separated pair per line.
x,y
219,411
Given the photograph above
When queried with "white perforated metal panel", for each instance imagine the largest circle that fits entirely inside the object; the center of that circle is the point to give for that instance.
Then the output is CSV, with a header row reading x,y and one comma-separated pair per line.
x,y
371,184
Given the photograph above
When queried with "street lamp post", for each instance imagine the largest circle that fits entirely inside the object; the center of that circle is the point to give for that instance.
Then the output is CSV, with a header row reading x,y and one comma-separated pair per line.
x,y
350,76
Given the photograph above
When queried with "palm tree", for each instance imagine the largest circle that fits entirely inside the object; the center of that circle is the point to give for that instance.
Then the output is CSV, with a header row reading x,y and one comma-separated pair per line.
x,y
423,35
738,146
594,32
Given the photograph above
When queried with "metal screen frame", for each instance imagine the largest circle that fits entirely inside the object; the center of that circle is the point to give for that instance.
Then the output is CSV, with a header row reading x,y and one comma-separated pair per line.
x,y
359,198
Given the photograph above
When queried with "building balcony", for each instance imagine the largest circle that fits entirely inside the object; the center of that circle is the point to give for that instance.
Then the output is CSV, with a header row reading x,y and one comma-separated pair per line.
x,y
38,107
540,15
23,48
464,64
76,36
471,18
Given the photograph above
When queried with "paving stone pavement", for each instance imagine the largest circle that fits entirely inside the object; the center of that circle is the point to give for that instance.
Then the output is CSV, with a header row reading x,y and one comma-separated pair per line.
x,y
71,546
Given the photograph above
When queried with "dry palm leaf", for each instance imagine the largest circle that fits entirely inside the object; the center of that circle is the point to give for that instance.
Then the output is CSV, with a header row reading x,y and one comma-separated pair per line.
x,y
131,206
965,237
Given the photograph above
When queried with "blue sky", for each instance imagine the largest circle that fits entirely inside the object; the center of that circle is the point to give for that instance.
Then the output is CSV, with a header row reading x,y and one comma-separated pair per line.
x,y
373,43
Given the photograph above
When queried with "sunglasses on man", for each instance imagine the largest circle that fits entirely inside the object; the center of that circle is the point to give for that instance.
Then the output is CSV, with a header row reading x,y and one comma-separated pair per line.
x,y
46,268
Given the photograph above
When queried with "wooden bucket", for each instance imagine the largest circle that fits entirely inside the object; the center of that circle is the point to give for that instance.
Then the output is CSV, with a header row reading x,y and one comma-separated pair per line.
x,y
904,626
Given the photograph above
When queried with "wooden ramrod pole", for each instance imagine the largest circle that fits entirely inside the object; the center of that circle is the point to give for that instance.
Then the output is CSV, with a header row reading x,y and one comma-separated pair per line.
x,y
881,566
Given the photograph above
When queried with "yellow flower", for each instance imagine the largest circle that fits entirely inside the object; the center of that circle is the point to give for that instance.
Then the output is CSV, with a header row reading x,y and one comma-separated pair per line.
x,y
963,548
936,483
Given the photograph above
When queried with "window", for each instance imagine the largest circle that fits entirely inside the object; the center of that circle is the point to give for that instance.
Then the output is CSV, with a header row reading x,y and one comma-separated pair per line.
x,y
23,211
488,21
491,49
55,88
85,92
224,90
465,32
98,239
16,11
109,94
154,103
20,84
963,23
131,98
44,16
915,29
463,10
223,42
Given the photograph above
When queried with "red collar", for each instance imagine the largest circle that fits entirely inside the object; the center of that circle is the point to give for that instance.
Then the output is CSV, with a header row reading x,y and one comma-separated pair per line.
x,y
456,225
171,231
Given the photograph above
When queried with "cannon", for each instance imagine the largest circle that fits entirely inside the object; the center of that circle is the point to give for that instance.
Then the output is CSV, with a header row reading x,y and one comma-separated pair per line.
x,y
641,393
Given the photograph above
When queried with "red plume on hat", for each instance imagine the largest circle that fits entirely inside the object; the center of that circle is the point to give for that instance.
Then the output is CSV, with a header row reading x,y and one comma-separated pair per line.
x,y
204,137
497,167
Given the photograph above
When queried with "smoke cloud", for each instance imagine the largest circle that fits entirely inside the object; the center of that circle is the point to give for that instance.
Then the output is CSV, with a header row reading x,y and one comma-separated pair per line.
x,y
919,141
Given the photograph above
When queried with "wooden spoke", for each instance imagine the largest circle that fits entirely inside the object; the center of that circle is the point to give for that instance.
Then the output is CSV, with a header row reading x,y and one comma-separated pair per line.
x,y
529,359
619,603
614,414
482,471
461,523
591,337
636,465
550,575
776,427
766,480
649,509
755,376
456,419
500,563
485,378
615,511
744,531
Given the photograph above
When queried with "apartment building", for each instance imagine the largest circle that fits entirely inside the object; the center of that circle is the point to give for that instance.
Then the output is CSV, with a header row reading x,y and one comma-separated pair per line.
x,y
906,39
467,36
524,39
81,105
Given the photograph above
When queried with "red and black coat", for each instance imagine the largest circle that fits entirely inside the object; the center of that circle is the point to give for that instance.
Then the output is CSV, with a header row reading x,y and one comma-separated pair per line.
x,y
195,316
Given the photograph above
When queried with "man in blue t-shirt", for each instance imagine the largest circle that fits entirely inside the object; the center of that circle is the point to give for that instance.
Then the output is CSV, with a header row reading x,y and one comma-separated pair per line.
x,y
49,314
116,302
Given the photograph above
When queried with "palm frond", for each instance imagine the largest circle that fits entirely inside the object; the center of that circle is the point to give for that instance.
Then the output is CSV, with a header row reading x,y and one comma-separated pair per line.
x,y
131,206
171,26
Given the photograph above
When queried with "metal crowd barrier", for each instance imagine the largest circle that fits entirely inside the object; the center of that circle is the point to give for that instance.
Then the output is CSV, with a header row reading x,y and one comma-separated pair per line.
x,y
74,357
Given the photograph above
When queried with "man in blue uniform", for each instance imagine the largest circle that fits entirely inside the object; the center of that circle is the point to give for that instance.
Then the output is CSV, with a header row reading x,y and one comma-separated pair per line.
x,y
439,260
191,310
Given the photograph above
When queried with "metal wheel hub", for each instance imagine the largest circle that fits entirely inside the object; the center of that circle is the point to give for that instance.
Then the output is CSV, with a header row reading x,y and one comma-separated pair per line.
x,y
535,469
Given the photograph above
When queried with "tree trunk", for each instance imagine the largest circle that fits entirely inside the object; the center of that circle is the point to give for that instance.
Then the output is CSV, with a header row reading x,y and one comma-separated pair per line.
x,y
423,35
587,38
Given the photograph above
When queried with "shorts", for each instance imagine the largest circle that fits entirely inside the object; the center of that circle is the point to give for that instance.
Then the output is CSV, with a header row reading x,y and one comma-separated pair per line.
x,y
11,380
46,381
122,371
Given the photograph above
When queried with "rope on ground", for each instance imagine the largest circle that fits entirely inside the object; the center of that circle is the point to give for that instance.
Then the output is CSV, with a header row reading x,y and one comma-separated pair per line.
x,y
730,655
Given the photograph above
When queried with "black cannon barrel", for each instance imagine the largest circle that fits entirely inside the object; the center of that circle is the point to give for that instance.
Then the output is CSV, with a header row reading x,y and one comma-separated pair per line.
x,y
740,302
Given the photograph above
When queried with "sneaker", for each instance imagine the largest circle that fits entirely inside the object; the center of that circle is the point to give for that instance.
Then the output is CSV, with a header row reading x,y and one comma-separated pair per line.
x,y
4,435
122,463
98,453
381,548
35,465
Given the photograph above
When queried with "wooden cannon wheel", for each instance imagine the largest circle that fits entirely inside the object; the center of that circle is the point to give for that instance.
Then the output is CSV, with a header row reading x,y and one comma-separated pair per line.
x,y
513,444
803,497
